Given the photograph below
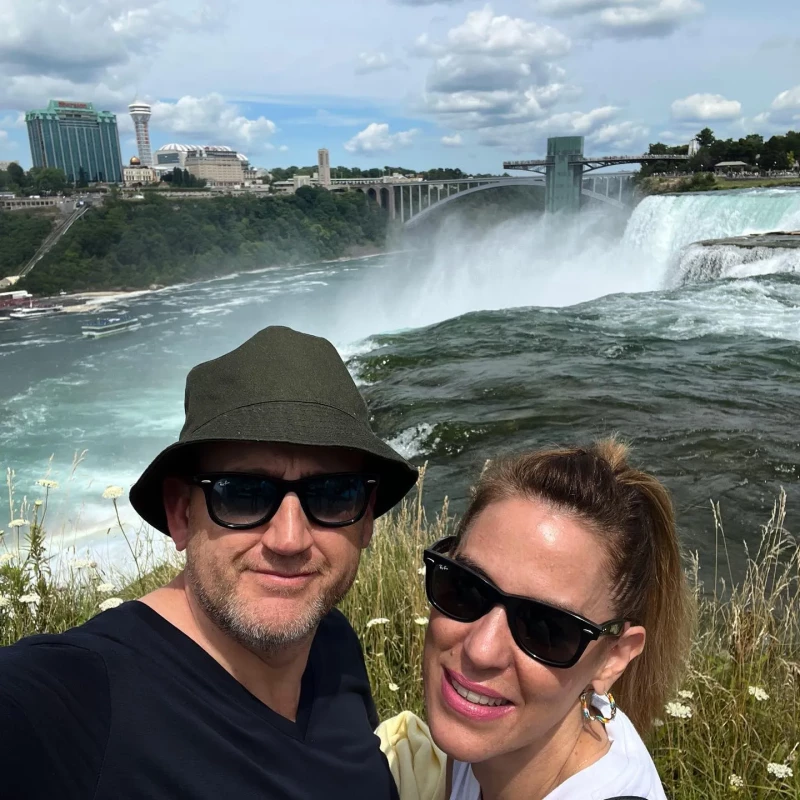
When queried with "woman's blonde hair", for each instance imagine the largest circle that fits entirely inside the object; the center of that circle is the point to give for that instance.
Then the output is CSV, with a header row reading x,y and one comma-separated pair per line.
x,y
631,511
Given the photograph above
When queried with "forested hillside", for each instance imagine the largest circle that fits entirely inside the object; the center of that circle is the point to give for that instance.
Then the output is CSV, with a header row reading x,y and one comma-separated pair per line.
x,y
131,245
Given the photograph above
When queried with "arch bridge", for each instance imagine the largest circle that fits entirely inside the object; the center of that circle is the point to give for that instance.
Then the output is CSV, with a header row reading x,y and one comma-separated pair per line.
x,y
413,201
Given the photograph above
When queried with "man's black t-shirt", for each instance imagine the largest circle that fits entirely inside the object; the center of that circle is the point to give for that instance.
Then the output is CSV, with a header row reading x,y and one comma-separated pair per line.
x,y
127,706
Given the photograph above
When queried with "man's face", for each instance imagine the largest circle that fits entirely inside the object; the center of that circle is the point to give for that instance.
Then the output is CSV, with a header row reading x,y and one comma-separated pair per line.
x,y
270,586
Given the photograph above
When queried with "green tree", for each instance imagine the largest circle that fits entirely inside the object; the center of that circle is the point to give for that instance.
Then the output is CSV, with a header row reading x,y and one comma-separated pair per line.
x,y
17,176
705,138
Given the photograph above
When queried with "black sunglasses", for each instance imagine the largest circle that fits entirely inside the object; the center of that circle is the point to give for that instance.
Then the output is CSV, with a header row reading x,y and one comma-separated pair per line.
x,y
547,634
241,501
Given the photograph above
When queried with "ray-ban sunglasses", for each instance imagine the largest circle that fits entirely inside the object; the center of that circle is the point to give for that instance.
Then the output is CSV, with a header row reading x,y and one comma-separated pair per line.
x,y
548,634
242,501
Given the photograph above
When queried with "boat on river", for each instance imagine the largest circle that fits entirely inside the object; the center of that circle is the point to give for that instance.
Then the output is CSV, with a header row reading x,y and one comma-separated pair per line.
x,y
33,312
109,326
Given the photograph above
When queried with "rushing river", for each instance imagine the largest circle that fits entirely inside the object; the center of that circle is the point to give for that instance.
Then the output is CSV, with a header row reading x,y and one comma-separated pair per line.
x,y
528,335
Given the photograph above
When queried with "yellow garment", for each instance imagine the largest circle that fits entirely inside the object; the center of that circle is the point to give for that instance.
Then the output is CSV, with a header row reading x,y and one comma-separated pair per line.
x,y
417,764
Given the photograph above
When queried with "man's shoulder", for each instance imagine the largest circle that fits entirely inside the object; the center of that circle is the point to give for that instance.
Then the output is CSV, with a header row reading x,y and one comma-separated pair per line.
x,y
65,660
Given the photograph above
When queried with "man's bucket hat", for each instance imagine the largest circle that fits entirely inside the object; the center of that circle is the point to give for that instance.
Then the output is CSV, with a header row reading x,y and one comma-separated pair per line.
x,y
280,386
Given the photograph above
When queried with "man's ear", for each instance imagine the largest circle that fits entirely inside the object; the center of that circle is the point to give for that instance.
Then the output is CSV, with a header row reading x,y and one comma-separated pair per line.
x,y
176,496
626,647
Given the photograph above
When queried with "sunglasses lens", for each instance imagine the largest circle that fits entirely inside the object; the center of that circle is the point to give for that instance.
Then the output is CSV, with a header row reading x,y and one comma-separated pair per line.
x,y
456,592
243,499
548,633
336,499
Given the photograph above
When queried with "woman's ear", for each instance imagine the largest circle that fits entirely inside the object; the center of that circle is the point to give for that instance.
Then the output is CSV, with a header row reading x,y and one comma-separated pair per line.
x,y
176,497
624,649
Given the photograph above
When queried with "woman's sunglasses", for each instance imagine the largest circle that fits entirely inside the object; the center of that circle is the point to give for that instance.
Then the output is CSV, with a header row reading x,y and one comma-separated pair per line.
x,y
547,634
241,501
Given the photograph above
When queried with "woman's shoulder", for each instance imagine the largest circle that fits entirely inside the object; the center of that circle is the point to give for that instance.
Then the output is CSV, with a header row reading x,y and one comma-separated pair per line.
x,y
626,770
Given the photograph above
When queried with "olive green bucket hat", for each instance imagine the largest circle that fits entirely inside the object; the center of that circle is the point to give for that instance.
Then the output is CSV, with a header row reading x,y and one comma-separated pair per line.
x,y
280,386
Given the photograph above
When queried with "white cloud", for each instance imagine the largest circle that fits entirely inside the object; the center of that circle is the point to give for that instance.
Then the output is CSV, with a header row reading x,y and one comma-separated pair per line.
x,y
212,120
373,61
81,41
453,141
706,107
376,138
494,70
528,136
628,18
620,135
783,111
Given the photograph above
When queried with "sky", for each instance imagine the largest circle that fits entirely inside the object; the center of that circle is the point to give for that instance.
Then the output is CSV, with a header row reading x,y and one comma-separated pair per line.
x,y
414,83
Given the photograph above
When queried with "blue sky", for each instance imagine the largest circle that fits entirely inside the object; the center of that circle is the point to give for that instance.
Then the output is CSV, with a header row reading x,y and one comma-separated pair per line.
x,y
406,82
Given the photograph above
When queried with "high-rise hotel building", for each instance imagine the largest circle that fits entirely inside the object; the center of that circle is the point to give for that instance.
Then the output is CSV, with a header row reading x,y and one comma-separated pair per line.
x,y
73,136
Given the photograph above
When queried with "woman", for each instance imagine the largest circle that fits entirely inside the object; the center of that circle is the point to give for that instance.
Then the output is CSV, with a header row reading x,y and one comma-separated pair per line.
x,y
564,581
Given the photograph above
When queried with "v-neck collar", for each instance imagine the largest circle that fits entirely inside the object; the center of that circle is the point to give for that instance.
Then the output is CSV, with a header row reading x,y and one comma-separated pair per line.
x,y
297,729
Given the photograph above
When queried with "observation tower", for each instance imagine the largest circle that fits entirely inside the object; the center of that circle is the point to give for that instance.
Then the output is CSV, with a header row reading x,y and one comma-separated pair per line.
x,y
140,113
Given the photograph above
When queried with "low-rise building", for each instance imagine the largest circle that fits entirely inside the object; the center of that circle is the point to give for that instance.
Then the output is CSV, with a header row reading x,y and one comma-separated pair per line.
x,y
136,174
217,167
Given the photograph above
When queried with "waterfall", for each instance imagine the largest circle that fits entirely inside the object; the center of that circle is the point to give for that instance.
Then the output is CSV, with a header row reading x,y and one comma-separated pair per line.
x,y
663,230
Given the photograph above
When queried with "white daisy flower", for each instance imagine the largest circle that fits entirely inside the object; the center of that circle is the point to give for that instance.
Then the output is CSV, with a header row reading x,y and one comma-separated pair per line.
x,y
377,621
685,694
105,588
758,693
31,599
18,523
735,782
113,492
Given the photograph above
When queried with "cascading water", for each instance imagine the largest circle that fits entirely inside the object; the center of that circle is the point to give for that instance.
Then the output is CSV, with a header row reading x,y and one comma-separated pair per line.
x,y
662,231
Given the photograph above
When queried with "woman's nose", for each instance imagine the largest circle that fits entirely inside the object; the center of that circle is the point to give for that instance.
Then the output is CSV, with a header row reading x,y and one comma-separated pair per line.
x,y
488,644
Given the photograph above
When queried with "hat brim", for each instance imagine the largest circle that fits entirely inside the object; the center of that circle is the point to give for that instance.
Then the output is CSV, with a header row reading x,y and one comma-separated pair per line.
x,y
279,422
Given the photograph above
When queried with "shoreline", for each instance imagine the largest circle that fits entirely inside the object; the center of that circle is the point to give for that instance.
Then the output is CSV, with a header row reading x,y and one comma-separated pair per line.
x,y
94,299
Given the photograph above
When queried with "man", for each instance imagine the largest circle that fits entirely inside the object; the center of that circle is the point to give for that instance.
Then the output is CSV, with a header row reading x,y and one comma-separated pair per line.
x,y
237,679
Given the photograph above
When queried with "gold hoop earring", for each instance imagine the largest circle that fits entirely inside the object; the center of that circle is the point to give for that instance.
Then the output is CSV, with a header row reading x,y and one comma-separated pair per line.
x,y
587,710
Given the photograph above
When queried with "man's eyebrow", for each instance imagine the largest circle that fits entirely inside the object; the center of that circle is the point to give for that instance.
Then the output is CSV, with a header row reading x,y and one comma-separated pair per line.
x,y
477,569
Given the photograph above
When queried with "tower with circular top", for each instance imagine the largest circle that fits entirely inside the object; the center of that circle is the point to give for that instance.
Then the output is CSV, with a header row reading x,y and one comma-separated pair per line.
x,y
140,113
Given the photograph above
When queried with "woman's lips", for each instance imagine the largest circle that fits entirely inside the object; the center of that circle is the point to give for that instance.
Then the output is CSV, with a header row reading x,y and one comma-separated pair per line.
x,y
472,700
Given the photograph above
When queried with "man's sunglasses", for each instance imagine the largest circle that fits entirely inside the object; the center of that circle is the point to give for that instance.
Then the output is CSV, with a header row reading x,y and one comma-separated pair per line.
x,y
547,634
241,501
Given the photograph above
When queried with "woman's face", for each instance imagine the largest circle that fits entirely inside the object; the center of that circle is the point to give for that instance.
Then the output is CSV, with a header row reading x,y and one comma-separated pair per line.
x,y
526,548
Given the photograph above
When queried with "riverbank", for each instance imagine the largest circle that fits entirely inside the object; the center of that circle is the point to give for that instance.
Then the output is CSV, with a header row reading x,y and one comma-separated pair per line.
x,y
733,724
707,182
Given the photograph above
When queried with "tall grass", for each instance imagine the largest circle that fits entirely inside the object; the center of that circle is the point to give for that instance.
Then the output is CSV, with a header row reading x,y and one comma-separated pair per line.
x,y
732,730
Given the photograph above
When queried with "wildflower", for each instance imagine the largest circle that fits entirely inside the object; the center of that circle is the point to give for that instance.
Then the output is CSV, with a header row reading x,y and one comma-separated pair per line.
x,y
685,694
31,599
758,693
393,687
47,484
679,710
658,723
112,602
113,492
105,588
735,782
5,600
82,563
37,503
6,558
18,523
780,770
377,621
421,571
420,620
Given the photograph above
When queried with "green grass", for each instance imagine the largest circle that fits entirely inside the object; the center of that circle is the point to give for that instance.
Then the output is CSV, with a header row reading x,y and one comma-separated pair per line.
x,y
748,636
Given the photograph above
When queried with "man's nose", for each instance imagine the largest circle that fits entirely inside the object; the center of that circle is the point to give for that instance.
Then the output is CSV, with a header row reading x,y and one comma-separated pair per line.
x,y
288,533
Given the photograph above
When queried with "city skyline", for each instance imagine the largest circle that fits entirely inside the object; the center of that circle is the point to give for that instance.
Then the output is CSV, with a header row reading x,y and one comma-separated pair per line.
x,y
407,82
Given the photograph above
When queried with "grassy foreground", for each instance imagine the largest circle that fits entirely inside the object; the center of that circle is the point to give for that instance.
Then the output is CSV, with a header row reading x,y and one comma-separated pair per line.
x,y
733,728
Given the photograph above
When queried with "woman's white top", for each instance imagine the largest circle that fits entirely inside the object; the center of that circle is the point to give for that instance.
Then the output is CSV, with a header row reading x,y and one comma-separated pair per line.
x,y
625,770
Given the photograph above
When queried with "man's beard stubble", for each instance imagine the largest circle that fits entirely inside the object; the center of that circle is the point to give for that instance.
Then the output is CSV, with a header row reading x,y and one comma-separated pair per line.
x,y
229,612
